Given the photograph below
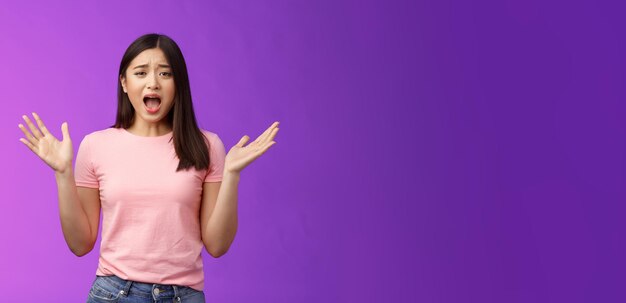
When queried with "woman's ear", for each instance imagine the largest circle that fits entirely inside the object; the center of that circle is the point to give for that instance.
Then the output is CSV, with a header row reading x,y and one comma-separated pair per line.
x,y
123,82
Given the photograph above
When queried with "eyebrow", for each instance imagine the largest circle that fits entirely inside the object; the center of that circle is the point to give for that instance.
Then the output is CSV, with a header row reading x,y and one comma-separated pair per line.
x,y
146,65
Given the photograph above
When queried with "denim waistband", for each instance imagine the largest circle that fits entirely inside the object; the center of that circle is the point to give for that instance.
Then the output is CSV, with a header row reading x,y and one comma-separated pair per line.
x,y
149,290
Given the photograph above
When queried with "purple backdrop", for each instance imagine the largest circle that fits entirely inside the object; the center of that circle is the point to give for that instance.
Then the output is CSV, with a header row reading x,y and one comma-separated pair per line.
x,y
430,151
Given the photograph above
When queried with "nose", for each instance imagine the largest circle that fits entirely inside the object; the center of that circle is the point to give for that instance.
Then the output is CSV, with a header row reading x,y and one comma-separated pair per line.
x,y
153,82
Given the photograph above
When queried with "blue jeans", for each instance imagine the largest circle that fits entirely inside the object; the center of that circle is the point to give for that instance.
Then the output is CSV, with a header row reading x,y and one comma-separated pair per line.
x,y
115,289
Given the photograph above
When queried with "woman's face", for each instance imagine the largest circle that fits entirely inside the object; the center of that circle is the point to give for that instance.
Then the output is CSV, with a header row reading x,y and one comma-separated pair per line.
x,y
149,83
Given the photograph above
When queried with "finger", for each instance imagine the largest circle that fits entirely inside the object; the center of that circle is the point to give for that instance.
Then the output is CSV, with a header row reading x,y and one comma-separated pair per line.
x,y
269,137
268,146
36,133
243,141
264,135
272,134
29,137
29,145
263,149
65,130
43,128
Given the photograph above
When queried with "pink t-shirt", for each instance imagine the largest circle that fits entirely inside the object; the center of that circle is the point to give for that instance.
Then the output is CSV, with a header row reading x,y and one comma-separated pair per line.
x,y
150,213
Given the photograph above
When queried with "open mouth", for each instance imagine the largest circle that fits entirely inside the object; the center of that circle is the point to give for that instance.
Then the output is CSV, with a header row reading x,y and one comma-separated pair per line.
x,y
152,104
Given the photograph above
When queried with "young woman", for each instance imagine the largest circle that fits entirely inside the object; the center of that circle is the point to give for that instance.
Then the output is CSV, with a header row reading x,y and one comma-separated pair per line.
x,y
166,188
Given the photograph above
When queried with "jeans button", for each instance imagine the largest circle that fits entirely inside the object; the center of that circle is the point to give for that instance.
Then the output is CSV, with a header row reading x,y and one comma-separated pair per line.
x,y
156,291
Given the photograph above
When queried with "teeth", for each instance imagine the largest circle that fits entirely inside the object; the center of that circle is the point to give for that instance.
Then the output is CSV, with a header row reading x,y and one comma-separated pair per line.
x,y
147,99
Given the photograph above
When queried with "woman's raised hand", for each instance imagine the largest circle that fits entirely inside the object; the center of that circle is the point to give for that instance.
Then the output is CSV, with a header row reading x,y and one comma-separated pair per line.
x,y
241,156
57,154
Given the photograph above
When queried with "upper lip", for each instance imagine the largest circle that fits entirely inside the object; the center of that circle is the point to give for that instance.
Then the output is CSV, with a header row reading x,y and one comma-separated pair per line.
x,y
152,96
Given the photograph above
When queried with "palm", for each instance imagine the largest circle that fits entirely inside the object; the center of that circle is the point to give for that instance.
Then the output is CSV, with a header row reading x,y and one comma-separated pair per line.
x,y
57,154
54,152
240,156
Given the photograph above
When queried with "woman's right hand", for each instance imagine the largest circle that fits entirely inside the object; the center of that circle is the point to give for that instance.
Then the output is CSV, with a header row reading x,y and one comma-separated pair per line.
x,y
57,154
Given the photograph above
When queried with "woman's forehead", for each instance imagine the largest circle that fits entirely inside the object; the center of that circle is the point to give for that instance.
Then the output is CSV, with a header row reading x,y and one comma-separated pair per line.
x,y
153,56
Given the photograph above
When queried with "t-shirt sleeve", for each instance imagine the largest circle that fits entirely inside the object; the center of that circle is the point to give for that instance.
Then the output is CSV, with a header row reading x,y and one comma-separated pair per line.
x,y
84,173
217,152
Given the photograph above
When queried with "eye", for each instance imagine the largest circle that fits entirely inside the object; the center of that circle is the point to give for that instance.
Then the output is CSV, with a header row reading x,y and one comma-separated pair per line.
x,y
140,73
167,74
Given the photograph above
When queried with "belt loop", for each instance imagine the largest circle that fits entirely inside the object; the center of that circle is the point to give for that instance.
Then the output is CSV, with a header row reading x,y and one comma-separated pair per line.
x,y
126,289
176,296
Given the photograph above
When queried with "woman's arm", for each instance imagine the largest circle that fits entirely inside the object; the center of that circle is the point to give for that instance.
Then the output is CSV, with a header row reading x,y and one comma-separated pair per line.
x,y
218,214
79,210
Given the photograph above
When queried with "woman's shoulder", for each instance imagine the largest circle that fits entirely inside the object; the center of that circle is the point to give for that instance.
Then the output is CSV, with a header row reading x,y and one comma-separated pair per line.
x,y
211,135
103,134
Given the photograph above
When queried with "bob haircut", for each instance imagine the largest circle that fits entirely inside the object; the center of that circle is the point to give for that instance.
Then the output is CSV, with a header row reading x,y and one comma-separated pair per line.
x,y
192,147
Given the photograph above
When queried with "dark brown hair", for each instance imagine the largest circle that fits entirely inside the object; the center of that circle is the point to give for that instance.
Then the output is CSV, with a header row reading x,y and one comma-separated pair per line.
x,y
189,142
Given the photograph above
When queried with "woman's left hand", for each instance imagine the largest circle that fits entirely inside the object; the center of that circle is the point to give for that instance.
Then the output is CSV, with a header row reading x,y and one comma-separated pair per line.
x,y
239,156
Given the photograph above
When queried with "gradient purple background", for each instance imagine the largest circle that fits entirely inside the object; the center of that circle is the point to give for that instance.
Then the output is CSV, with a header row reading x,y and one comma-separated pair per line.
x,y
429,151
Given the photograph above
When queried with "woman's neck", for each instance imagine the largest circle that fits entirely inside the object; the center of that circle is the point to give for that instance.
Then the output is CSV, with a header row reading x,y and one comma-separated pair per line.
x,y
149,129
